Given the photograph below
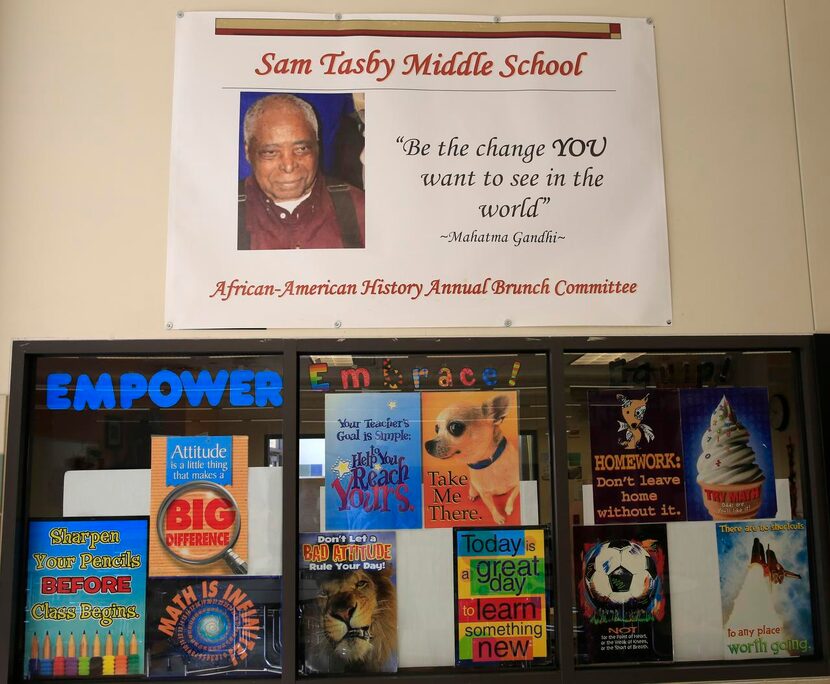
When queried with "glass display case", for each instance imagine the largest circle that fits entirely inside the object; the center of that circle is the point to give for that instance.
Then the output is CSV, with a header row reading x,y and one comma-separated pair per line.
x,y
549,508
687,501
446,458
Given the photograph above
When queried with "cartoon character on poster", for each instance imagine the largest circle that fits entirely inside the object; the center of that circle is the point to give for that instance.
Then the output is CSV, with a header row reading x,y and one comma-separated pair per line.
x,y
728,448
765,589
471,459
373,461
623,593
636,456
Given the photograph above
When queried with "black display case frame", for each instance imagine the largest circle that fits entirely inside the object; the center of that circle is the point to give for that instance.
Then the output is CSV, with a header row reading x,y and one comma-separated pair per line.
x,y
12,562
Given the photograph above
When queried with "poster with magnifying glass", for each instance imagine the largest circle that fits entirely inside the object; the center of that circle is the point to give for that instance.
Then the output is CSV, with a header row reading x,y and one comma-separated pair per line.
x,y
199,506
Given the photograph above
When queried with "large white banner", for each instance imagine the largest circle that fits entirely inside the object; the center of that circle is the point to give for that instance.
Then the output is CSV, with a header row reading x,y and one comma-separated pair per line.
x,y
451,171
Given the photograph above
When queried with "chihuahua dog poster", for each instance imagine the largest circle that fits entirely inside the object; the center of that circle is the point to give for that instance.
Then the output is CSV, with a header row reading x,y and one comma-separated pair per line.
x,y
470,459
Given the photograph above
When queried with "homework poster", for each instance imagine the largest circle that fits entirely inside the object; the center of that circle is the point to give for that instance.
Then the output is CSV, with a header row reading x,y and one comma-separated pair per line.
x,y
373,461
85,595
636,456
501,577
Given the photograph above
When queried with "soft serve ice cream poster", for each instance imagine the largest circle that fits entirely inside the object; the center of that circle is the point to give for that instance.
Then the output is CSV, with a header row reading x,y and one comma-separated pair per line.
x,y
727,450
765,589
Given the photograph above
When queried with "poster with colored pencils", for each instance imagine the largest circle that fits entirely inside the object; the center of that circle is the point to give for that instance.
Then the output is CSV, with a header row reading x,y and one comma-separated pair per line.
x,y
85,597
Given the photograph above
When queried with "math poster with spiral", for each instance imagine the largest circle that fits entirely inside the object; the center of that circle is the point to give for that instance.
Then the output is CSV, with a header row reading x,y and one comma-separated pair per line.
x,y
85,598
447,171
213,627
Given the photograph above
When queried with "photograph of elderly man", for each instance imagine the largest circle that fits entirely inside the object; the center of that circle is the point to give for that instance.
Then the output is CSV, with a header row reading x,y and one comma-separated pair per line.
x,y
286,201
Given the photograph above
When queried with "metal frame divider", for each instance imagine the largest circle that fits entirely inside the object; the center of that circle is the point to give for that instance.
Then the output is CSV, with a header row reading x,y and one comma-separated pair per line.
x,y
563,551
12,545
12,565
290,475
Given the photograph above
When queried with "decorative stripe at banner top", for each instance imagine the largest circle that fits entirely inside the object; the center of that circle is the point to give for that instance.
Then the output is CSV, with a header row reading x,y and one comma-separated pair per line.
x,y
417,29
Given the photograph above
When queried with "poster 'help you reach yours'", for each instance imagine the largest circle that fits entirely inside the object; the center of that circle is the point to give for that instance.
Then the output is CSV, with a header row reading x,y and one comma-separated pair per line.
x,y
441,171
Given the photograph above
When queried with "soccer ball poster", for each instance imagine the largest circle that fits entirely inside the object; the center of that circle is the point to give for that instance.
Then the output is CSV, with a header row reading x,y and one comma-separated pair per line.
x,y
622,592
501,596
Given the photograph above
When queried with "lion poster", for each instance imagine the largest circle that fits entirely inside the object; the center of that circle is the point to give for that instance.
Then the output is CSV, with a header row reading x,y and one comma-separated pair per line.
x,y
349,603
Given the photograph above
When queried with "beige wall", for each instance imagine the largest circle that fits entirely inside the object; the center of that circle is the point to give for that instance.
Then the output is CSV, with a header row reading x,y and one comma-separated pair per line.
x,y
810,58
85,132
